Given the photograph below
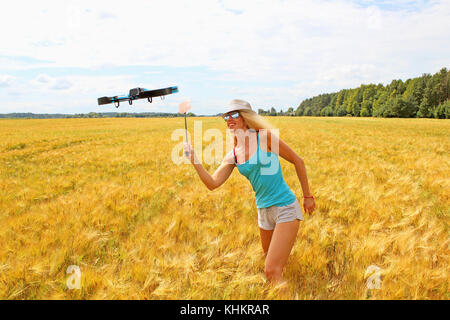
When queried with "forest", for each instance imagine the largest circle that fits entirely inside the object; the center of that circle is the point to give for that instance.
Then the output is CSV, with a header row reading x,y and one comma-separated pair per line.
x,y
427,96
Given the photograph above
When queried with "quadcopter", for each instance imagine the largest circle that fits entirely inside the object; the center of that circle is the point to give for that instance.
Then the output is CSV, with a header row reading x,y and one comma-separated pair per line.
x,y
138,93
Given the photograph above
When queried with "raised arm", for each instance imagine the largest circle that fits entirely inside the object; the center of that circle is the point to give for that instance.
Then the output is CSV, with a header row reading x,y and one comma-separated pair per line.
x,y
288,154
219,176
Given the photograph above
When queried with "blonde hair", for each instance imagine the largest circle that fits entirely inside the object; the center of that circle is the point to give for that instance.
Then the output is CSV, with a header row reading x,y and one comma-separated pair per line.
x,y
253,121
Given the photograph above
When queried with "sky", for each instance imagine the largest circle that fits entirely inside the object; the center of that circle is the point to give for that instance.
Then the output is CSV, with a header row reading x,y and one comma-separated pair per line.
x,y
59,57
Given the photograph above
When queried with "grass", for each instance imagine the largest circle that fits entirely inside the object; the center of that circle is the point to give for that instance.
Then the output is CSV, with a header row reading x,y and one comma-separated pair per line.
x,y
104,194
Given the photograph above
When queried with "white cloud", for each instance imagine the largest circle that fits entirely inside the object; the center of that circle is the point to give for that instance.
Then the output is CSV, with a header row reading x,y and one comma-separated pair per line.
x,y
71,94
62,84
6,80
315,45
46,82
262,38
43,79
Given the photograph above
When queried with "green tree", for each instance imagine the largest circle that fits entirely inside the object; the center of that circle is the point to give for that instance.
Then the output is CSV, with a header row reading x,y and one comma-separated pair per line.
x,y
443,110
366,107
339,99
424,109
402,108
327,112
380,104
442,85
346,105
341,112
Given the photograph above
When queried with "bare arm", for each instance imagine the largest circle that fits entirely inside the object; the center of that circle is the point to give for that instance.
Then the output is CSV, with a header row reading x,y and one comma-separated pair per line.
x,y
218,177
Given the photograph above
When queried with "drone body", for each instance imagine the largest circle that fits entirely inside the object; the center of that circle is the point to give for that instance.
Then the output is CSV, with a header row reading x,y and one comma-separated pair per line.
x,y
138,93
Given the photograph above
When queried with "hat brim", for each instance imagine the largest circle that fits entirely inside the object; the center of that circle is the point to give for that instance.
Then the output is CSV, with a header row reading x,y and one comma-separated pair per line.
x,y
234,109
238,109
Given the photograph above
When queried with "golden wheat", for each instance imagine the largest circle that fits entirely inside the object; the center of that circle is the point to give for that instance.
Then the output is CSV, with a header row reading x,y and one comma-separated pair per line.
x,y
103,194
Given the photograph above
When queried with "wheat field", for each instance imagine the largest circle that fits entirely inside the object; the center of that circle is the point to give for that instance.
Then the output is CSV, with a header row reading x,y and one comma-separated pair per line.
x,y
104,195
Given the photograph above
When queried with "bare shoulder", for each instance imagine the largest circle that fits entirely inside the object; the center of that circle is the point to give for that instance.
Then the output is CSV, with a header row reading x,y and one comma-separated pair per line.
x,y
263,133
267,137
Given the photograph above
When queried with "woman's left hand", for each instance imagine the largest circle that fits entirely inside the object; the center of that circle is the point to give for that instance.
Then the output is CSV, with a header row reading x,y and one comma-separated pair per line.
x,y
309,205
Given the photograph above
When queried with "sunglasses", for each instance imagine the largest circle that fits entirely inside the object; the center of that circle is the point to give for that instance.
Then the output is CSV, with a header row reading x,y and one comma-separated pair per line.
x,y
233,115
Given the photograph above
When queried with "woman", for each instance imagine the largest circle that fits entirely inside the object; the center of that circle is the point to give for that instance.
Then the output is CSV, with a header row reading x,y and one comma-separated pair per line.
x,y
279,212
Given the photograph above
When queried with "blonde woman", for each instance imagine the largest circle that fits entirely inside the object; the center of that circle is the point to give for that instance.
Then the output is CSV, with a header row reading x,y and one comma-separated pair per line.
x,y
255,155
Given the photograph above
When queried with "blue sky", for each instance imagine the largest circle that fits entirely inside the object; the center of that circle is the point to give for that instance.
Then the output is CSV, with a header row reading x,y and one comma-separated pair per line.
x,y
62,56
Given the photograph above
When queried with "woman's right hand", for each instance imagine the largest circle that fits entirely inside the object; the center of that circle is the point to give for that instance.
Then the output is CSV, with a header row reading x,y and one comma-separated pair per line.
x,y
188,152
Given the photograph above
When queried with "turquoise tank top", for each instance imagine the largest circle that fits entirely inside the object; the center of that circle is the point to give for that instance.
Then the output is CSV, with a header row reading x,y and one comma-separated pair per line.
x,y
264,173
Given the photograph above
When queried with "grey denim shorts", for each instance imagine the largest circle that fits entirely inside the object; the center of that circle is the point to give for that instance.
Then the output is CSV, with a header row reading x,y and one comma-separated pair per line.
x,y
269,217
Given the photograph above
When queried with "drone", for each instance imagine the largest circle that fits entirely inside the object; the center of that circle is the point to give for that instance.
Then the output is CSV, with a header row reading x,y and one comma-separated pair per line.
x,y
138,93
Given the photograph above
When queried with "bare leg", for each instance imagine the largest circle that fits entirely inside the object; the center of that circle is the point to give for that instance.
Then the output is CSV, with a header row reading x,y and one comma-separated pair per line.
x,y
280,247
266,236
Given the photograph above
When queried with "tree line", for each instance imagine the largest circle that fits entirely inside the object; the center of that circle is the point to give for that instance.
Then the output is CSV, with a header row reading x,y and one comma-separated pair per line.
x,y
427,96
29,115
273,112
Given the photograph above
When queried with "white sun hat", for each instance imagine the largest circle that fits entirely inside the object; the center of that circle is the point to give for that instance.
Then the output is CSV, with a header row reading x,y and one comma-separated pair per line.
x,y
238,104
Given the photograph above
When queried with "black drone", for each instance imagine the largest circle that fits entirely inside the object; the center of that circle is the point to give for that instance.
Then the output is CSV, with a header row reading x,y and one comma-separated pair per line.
x,y
138,93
